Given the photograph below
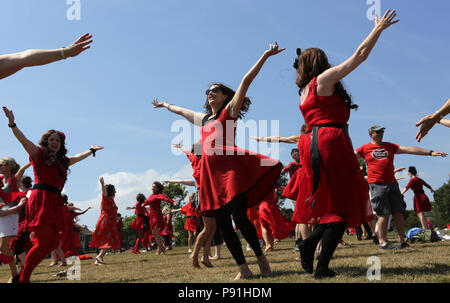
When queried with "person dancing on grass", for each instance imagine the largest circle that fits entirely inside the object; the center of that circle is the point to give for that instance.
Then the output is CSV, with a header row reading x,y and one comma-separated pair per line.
x,y
106,236
232,179
333,193
421,201
44,215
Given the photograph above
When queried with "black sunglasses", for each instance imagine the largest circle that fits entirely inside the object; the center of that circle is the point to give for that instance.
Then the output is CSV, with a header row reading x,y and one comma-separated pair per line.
x,y
212,90
379,131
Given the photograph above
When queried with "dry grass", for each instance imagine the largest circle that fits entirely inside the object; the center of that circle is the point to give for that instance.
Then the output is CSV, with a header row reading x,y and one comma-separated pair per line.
x,y
423,263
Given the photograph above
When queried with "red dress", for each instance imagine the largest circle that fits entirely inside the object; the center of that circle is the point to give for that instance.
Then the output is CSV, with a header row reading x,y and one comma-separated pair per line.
x,y
272,219
421,201
12,194
342,194
195,163
227,171
71,240
292,188
45,206
106,234
155,214
191,217
141,217
167,227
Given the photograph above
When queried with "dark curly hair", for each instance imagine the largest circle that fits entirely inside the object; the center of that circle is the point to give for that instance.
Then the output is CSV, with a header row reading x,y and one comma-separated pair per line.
x,y
230,94
159,186
412,170
311,63
110,189
140,198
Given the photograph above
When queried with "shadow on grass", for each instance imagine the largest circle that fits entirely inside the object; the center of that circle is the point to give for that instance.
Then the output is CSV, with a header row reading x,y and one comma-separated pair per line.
x,y
435,269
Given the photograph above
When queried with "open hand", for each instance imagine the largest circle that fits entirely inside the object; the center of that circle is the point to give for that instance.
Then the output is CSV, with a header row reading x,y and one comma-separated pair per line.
x,y
9,114
156,104
79,46
97,147
387,19
273,49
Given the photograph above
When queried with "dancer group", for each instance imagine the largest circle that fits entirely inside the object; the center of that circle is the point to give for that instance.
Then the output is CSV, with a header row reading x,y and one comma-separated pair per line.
x,y
327,185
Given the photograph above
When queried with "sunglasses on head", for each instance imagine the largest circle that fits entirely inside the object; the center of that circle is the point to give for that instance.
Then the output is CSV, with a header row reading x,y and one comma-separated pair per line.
x,y
212,90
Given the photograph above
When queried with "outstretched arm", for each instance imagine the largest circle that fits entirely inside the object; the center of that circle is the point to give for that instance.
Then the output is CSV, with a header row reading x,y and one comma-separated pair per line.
x,y
29,146
12,63
84,211
234,107
275,139
427,122
190,115
413,150
184,182
84,155
327,80
183,149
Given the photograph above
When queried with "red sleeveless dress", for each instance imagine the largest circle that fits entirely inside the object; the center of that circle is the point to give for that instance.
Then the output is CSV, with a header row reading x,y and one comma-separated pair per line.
x,y
191,216
421,201
227,171
342,194
106,234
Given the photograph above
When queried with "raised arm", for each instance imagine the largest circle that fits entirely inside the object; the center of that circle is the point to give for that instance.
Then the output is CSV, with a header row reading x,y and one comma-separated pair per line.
x,y
84,211
327,80
29,146
413,150
276,139
427,122
104,191
21,171
190,115
81,156
12,63
234,107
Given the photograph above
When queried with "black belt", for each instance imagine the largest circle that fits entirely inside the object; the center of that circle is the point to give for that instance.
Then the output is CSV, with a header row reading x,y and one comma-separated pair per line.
x,y
44,186
419,191
315,155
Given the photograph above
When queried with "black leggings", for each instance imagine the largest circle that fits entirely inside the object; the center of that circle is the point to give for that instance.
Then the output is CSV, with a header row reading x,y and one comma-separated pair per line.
x,y
238,209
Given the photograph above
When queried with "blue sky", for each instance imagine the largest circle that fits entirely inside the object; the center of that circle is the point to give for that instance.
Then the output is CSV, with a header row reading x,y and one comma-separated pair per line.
x,y
172,50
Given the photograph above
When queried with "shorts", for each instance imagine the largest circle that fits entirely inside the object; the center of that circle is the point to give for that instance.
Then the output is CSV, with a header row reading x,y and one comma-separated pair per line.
x,y
386,198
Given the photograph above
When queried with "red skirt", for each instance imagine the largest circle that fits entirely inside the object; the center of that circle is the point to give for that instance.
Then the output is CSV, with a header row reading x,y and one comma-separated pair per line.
x,y
343,195
421,203
137,223
106,234
191,224
273,220
292,188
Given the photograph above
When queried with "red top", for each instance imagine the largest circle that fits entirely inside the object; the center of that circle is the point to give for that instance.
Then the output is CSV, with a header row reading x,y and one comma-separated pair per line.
x,y
380,161
154,201
106,234
417,184
139,209
292,168
190,211
11,193
45,207
195,163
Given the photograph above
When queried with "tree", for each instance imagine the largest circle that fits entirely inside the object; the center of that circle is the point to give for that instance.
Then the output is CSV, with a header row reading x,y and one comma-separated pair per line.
x,y
178,193
441,207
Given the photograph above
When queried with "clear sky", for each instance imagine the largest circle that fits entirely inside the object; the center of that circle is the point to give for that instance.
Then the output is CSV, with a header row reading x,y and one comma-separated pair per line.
x,y
172,50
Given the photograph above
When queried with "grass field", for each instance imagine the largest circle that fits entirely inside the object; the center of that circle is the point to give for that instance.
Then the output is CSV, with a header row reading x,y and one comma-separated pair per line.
x,y
423,263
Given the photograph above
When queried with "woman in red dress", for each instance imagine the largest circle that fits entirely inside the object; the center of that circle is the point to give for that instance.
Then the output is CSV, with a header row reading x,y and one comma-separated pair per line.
x,y
273,224
44,215
155,215
71,241
333,192
421,201
191,214
106,236
231,179
141,223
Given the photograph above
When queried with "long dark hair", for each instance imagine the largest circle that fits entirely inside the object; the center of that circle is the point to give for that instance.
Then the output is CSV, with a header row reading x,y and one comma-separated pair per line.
x,y
230,94
61,159
311,63
412,170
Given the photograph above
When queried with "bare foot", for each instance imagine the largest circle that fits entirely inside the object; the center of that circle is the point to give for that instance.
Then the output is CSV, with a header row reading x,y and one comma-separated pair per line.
x,y
100,261
216,257
268,248
194,261
264,266
62,264
243,276
206,262
53,264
